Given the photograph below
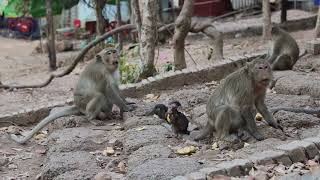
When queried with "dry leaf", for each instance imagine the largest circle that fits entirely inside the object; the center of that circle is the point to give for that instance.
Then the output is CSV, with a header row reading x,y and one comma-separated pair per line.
x,y
109,151
122,167
150,96
187,150
141,128
259,117
215,146
40,136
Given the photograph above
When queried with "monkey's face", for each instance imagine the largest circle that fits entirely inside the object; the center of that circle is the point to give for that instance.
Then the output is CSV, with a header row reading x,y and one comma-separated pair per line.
x,y
262,73
110,58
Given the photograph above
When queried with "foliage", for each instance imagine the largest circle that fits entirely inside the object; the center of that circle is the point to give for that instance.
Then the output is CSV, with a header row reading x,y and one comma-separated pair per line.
x,y
129,71
168,67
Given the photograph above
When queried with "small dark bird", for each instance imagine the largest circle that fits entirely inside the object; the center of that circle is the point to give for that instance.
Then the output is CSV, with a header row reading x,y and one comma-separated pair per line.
x,y
179,122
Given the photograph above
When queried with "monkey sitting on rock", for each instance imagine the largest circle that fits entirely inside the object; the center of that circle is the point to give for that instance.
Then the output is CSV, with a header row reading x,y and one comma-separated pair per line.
x,y
95,93
284,52
232,106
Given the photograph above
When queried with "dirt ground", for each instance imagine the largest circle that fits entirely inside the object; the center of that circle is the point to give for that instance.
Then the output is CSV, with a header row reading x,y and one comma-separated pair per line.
x,y
144,148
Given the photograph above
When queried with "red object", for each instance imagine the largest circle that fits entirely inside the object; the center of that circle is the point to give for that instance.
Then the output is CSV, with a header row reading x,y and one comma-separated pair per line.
x,y
77,23
207,8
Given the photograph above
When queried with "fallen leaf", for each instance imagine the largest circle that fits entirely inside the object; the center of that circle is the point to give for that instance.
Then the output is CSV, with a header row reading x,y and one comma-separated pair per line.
x,y
40,136
150,96
109,151
187,150
122,167
259,117
141,128
215,146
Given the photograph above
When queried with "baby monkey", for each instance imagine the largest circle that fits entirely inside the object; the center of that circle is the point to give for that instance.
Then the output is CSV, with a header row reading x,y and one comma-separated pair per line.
x,y
179,122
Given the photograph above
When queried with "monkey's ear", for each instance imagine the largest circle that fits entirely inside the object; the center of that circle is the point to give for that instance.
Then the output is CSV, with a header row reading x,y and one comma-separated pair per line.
x,y
98,57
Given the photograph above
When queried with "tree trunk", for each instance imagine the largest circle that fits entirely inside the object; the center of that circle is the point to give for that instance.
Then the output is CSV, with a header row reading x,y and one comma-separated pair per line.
x,y
101,23
317,28
181,30
51,38
266,32
137,15
148,36
284,8
159,10
119,23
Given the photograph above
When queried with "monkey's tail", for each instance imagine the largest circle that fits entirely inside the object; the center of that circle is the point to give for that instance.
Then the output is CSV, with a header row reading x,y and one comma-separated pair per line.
x,y
70,110
206,130
296,110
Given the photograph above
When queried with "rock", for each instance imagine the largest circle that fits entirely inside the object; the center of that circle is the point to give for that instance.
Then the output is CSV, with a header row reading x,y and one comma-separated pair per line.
x,y
298,83
236,167
81,139
4,161
108,176
163,168
69,163
265,157
212,171
134,139
315,140
136,121
147,153
295,151
196,176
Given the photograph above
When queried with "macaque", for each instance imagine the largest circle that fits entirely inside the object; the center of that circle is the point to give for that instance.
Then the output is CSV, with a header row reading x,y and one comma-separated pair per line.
x,y
232,106
96,92
284,52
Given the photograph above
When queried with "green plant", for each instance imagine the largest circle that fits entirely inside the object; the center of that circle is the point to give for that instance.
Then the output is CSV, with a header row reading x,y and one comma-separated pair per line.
x,y
129,71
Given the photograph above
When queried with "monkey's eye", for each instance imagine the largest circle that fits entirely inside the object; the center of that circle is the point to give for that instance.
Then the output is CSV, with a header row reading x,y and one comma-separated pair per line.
x,y
109,52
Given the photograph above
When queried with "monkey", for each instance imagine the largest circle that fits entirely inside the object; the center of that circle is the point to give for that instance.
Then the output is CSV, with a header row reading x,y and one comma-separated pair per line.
x,y
284,52
232,106
160,110
179,122
96,91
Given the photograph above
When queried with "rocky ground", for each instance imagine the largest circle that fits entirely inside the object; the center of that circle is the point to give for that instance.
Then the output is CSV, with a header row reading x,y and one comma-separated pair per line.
x,y
141,147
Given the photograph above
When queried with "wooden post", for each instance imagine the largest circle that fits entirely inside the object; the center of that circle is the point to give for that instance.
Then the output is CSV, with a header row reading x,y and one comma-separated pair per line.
x,y
284,8
51,38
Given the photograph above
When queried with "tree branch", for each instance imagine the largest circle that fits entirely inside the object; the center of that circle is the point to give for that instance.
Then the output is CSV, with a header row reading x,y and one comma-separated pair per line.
x,y
76,60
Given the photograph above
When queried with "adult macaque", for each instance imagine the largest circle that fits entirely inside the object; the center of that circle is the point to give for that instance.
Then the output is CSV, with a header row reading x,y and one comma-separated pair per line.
x,y
284,51
232,106
96,92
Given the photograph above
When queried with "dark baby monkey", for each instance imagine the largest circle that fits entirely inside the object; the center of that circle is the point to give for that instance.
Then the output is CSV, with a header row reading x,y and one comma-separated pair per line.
x,y
232,106
179,122
96,92
284,52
